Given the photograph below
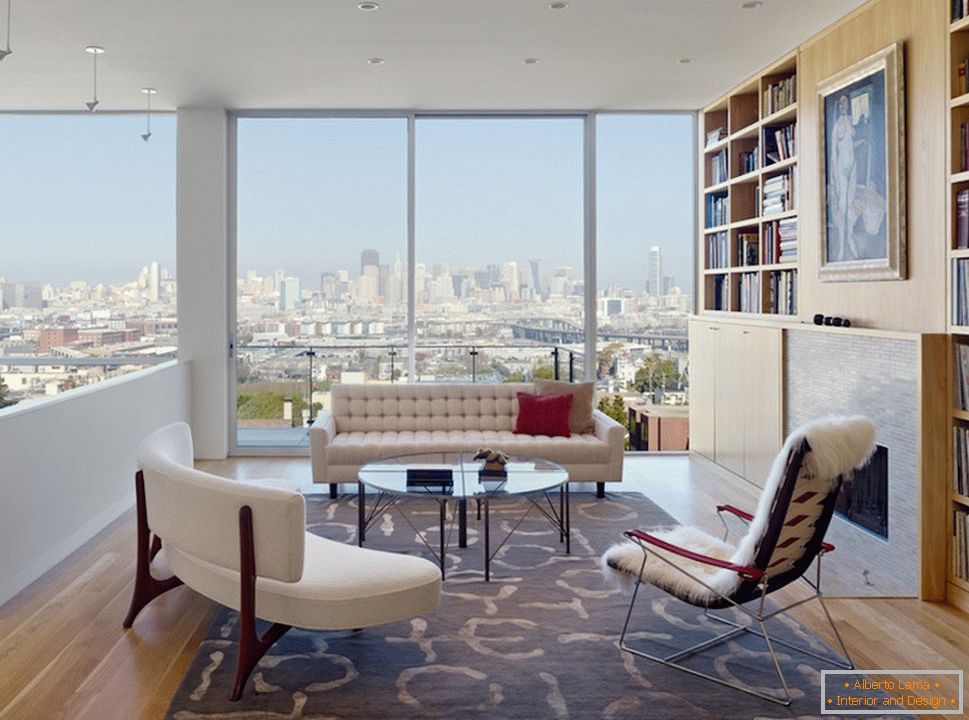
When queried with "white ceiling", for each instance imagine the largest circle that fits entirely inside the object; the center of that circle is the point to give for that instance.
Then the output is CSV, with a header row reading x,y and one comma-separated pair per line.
x,y
440,54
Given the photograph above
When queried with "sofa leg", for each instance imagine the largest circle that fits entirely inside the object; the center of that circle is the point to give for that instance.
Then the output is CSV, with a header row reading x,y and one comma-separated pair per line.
x,y
251,646
147,588
333,489
600,489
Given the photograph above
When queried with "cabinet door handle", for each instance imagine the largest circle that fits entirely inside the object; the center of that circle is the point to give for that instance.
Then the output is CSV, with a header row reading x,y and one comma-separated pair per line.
x,y
745,332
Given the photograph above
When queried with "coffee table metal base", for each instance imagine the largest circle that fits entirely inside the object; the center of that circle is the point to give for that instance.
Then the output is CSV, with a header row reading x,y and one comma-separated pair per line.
x,y
558,517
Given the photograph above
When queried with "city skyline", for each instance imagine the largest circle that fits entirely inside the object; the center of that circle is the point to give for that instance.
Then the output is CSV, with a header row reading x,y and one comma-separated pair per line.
x,y
98,197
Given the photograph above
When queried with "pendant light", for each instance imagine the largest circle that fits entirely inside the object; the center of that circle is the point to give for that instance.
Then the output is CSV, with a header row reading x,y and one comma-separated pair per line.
x,y
4,53
95,51
148,91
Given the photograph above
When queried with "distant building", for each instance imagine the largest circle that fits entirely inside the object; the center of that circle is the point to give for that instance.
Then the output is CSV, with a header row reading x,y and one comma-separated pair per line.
x,y
289,294
654,271
22,295
48,338
369,258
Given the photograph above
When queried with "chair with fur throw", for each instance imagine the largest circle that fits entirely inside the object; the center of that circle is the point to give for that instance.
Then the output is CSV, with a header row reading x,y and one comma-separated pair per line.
x,y
784,537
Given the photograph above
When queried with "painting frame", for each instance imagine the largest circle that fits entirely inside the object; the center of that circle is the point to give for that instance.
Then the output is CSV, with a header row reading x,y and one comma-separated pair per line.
x,y
861,134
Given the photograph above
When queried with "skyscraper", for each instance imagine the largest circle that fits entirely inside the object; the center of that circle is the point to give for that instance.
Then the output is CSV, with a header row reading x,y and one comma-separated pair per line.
x,y
153,281
654,271
537,278
289,294
369,257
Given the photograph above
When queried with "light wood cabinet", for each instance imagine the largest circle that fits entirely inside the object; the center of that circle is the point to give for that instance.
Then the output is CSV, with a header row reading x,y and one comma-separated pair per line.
x,y
703,367
736,416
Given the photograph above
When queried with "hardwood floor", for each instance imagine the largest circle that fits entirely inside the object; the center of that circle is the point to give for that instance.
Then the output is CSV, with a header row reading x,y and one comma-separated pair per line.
x,y
63,653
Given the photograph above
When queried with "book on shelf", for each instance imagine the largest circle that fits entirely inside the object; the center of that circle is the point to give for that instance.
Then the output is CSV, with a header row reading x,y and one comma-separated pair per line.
x,y
960,301
714,136
962,376
779,192
962,219
749,288
960,8
718,168
780,143
720,292
960,459
717,210
778,95
748,247
782,292
964,146
748,161
960,559
718,253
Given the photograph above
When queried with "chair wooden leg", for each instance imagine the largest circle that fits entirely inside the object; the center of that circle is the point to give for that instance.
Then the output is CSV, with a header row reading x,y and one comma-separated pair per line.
x,y
333,491
251,646
147,588
600,489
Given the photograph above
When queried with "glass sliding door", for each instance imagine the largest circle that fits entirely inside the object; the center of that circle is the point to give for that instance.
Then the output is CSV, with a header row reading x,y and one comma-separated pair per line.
x,y
499,247
321,251
645,190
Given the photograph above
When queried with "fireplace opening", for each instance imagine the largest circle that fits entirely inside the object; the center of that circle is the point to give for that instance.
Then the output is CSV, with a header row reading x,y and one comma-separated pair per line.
x,y
864,496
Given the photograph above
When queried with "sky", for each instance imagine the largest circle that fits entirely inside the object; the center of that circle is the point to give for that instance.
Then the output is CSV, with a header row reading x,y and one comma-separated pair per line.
x,y
83,197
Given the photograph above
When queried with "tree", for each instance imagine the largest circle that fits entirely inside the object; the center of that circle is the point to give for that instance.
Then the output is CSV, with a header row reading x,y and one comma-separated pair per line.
x,y
544,372
4,390
606,359
615,407
656,372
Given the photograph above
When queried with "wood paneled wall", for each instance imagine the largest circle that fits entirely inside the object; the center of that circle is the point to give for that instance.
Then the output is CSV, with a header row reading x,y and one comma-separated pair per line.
x,y
919,303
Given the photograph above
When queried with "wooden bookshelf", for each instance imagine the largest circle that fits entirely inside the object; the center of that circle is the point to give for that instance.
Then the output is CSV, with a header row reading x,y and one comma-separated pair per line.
x,y
957,167
750,201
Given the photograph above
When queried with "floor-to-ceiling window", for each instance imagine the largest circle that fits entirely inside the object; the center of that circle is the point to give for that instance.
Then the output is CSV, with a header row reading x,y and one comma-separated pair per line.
x,y
87,221
496,219
644,251
499,245
321,253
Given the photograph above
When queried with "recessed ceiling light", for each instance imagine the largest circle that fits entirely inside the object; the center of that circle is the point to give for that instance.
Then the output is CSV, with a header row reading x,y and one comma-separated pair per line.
x,y
94,50
558,5
751,4
532,61
376,61
368,6
685,61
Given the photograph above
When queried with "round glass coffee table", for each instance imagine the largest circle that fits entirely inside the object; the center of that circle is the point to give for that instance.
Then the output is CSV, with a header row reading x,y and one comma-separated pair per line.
x,y
455,478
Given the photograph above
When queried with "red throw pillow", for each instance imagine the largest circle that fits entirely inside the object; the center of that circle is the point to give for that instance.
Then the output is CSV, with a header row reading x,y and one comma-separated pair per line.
x,y
543,415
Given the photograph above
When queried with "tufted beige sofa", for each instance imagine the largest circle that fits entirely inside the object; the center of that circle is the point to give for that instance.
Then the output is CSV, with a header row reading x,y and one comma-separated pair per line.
x,y
369,422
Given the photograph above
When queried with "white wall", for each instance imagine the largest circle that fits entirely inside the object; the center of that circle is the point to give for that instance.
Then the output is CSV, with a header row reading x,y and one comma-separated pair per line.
x,y
67,465
202,272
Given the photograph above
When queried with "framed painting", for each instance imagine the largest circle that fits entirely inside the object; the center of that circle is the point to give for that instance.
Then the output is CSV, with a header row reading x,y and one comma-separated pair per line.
x,y
862,142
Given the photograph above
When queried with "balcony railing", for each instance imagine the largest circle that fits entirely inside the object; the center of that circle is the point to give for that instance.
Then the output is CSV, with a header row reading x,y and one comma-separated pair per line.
x,y
281,388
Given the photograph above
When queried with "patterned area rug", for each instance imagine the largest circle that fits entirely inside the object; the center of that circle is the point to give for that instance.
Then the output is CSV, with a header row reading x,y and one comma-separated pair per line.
x,y
538,641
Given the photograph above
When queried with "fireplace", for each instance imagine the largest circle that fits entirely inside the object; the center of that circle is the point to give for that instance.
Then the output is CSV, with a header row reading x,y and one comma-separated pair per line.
x,y
864,496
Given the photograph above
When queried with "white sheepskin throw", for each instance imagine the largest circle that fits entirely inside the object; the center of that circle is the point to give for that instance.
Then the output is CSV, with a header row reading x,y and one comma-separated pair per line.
x,y
838,445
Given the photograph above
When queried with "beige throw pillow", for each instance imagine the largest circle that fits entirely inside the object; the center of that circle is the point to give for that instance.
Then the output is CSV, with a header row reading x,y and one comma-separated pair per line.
x,y
580,414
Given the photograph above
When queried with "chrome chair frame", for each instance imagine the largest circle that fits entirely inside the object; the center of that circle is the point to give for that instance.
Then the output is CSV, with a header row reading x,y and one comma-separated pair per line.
x,y
760,615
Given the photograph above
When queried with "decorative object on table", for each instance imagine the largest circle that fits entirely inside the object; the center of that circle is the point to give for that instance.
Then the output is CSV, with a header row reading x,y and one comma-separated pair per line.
x,y
861,123
583,402
430,477
495,461
539,415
